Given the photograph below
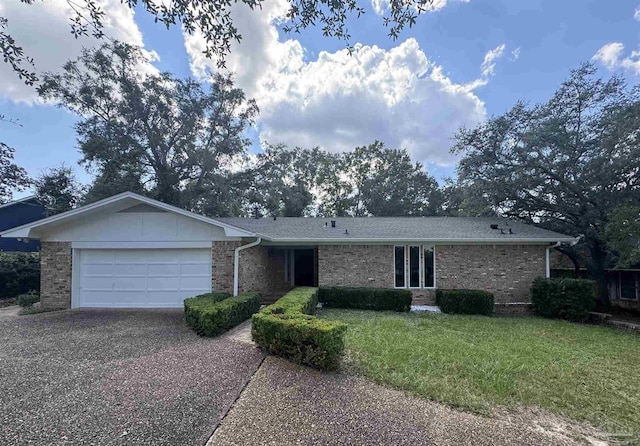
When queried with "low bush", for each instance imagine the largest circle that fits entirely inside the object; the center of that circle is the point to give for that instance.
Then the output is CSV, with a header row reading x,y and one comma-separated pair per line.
x,y
212,313
377,299
19,273
193,305
563,298
28,299
288,329
465,301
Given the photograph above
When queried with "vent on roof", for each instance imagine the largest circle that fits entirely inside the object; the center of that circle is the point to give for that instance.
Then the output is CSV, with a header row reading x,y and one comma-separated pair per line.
x,y
333,223
493,226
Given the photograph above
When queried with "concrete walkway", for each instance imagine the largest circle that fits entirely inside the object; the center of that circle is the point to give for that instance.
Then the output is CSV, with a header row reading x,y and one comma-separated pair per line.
x,y
9,312
241,333
288,404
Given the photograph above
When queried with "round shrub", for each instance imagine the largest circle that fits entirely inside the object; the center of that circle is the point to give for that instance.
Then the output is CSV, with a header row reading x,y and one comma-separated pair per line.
x,y
26,300
465,302
563,298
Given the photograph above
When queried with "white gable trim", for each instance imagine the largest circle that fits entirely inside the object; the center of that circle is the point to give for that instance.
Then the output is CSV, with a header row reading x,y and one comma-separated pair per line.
x,y
25,231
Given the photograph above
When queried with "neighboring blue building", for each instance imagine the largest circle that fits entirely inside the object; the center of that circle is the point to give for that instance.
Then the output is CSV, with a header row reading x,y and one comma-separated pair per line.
x,y
18,213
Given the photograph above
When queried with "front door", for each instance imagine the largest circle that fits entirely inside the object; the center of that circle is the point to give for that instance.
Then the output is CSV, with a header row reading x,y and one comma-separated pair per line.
x,y
304,267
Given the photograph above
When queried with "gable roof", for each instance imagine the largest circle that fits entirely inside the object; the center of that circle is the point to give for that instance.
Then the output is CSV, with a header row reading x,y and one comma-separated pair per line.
x,y
24,200
362,229
117,202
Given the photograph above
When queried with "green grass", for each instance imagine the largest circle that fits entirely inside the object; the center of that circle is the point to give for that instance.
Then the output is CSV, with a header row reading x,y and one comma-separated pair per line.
x,y
477,363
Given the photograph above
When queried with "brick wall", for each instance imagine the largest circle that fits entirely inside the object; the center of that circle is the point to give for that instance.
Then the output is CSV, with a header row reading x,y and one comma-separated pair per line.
x,y
260,268
356,265
55,275
505,270
222,270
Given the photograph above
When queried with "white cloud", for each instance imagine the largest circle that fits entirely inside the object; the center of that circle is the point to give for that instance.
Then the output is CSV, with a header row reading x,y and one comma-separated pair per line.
x,y
611,56
636,14
488,67
515,54
339,101
43,30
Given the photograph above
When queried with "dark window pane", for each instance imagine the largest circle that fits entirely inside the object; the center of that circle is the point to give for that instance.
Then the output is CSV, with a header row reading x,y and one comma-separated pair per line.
x,y
429,281
399,253
627,285
414,266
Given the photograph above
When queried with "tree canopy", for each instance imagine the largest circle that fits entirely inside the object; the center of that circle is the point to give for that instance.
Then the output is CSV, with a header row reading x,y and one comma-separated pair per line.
x,y
564,164
58,190
173,138
12,177
370,180
623,234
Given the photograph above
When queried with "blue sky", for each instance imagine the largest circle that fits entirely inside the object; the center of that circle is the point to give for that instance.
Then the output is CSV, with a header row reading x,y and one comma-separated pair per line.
x,y
412,93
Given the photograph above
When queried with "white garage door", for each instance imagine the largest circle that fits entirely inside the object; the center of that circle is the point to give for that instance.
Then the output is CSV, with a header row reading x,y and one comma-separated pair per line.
x,y
142,278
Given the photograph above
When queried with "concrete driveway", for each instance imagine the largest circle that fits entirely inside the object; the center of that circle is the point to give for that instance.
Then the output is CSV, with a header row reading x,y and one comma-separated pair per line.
x,y
115,377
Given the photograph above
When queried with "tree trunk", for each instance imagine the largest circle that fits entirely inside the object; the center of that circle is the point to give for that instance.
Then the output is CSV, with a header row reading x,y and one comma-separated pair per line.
x,y
597,269
572,256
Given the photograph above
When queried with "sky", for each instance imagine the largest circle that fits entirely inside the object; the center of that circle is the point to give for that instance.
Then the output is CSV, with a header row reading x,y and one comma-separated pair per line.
x,y
463,62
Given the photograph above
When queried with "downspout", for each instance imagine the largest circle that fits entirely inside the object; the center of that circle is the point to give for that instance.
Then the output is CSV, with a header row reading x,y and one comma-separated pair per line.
x,y
548,266
236,261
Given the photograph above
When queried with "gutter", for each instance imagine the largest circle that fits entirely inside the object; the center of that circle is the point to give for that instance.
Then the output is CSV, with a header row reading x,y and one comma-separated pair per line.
x,y
548,266
236,261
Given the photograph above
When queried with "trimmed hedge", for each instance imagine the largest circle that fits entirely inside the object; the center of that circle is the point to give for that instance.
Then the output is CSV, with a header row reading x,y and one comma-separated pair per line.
x,y
465,301
288,329
212,313
19,273
27,300
377,299
564,298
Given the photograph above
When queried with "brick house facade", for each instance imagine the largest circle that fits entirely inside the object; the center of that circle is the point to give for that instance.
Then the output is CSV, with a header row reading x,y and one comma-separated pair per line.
x,y
131,251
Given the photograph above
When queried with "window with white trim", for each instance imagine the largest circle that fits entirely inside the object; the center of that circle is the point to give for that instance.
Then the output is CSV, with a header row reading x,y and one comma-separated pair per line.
x,y
429,266
399,262
415,266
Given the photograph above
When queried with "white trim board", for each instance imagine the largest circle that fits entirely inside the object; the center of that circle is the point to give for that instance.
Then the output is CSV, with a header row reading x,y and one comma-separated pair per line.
x,y
141,245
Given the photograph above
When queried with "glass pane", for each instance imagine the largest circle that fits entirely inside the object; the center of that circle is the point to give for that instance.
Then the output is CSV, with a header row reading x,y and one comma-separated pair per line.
x,y
429,267
627,285
399,253
414,266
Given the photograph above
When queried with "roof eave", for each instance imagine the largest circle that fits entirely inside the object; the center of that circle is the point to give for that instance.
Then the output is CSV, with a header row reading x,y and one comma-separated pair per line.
x,y
25,231
422,240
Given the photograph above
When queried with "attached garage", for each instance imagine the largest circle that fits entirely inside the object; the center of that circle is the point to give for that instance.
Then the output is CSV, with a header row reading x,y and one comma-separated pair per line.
x,y
130,251
141,278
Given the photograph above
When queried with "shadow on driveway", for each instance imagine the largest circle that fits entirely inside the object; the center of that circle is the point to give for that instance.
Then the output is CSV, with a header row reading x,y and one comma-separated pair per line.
x,y
116,377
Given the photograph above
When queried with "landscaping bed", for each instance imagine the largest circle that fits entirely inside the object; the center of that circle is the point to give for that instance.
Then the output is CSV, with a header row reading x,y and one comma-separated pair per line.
x,y
477,363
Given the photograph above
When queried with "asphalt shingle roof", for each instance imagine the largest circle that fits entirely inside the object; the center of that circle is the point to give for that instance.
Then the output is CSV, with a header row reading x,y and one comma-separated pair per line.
x,y
393,228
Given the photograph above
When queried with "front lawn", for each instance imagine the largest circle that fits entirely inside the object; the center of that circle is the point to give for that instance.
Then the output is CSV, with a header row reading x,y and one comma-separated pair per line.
x,y
476,363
